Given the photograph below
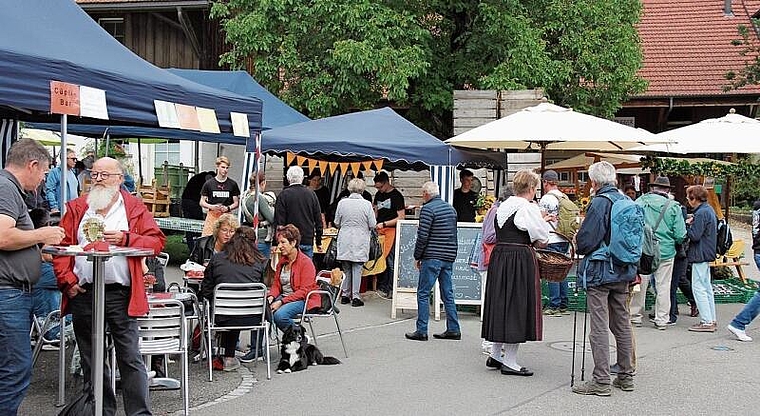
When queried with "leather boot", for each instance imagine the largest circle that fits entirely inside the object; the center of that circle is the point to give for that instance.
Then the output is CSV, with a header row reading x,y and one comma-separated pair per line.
x,y
694,311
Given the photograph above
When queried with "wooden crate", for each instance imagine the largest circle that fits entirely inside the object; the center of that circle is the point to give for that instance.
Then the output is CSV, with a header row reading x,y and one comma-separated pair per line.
x,y
156,199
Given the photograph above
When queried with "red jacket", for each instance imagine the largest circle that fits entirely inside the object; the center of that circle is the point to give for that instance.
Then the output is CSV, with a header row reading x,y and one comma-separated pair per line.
x,y
303,279
143,233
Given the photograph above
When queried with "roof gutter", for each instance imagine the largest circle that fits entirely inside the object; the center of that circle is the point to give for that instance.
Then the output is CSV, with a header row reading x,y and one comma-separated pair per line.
x,y
146,6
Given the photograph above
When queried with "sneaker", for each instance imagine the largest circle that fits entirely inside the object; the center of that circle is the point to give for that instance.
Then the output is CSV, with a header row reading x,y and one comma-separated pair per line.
x,y
623,383
671,323
231,364
345,300
551,312
357,302
637,324
384,295
615,369
250,356
593,388
217,364
740,334
702,327
661,327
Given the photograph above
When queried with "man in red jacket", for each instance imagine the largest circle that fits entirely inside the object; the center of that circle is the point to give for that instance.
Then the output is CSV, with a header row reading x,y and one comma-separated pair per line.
x,y
127,224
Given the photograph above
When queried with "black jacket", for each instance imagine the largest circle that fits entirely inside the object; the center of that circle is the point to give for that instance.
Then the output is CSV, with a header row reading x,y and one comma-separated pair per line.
x,y
221,270
702,234
298,205
203,249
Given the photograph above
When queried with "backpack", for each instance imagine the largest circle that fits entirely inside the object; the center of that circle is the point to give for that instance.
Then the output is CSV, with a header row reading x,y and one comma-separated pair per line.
x,y
650,247
567,219
627,230
724,238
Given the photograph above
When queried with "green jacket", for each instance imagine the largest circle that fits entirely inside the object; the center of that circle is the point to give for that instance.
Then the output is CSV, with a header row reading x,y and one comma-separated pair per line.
x,y
672,228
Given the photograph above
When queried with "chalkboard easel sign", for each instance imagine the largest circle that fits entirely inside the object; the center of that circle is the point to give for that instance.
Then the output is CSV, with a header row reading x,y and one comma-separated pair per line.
x,y
467,282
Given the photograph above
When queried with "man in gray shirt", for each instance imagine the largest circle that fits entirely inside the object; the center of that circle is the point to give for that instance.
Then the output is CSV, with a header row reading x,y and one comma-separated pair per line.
x,y
20,264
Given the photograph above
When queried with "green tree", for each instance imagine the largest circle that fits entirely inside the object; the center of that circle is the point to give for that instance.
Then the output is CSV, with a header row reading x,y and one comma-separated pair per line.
x,y
328,57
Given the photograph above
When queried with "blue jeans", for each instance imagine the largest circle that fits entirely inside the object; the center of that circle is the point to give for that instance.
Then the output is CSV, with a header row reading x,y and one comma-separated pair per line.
x,y
430,271
558,290
751,309
703,291
283,317
265,249
307,249
16,352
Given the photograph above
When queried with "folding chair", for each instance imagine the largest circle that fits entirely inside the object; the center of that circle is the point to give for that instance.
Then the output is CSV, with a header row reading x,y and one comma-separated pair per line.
x,y
235,300
164,331
327,311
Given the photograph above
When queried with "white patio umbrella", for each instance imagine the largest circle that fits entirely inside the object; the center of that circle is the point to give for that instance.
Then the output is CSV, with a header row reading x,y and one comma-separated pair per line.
x,y
732,133
550,127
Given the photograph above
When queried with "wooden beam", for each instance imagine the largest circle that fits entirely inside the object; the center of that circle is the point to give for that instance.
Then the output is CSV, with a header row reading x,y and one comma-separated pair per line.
x,y
189,32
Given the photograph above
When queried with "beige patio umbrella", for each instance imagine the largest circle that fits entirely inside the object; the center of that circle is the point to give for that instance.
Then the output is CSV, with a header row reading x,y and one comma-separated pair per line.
x,y
550,127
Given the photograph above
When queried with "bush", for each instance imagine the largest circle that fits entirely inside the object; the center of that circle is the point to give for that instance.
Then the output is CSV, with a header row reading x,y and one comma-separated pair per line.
x,y
177,249
745,191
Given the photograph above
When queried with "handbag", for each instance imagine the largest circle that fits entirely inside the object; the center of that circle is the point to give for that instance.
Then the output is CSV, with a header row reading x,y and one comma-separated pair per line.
x,y
331,254
375,248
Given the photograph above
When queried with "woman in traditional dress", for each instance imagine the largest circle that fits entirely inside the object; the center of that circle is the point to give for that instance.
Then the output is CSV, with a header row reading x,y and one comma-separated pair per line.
x,y
512,308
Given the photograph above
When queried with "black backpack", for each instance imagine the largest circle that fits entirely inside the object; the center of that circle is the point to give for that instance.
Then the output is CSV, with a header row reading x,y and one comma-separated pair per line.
x,y
724,238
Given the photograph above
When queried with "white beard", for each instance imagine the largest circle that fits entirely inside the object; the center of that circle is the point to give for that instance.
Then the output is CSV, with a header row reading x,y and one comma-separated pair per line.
x,y
100,197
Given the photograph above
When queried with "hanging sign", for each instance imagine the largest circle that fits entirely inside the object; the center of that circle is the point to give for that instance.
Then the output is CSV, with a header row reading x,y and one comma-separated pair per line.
x,y
207,120
92,103
188,117
64,98
167,114
240,124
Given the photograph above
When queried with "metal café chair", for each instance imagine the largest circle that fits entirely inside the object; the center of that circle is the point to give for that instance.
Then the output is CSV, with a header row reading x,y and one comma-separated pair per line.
x,y
327,311
164,331
234,300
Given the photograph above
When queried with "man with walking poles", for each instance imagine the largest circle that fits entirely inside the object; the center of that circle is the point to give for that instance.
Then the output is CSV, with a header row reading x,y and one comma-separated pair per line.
x,y
610,239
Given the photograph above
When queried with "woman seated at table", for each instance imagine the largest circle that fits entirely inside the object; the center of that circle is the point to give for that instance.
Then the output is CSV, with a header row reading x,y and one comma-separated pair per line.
x,y
239,262
294,277
205,247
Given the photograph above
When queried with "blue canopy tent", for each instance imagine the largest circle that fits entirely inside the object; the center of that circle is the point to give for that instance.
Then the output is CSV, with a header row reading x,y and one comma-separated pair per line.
x,y
43,41
377,134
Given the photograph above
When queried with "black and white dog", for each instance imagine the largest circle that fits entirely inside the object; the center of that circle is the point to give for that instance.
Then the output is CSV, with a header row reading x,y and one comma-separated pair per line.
x,y
297,354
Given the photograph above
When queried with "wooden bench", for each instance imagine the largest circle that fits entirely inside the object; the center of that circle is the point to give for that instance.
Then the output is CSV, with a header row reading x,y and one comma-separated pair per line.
x,y
736,262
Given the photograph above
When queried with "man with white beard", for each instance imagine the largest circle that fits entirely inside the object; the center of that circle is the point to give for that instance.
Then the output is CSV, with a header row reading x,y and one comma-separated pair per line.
x,y
127,223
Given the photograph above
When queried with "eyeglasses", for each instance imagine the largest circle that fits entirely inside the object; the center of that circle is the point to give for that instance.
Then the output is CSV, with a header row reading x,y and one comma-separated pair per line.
x,y
71,158
103,175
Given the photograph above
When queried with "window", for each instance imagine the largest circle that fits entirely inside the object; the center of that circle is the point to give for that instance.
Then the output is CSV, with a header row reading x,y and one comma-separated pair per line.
x,y
114,26
168,151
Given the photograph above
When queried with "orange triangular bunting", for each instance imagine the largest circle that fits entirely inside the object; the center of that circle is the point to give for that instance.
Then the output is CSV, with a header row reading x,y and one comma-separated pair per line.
x,y
379,164
343,167
299,160
289,156
355,167
332,166
322,167
367,165
312,165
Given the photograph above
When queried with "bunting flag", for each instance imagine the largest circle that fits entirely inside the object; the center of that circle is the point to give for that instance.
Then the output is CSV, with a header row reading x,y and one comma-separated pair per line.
x,y
289,156
323,167
367,165
299,160
312,165
355,167
332,166
379,164
343,167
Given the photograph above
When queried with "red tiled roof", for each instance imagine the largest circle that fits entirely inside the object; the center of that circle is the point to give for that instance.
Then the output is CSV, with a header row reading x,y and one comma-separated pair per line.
x,y
687,46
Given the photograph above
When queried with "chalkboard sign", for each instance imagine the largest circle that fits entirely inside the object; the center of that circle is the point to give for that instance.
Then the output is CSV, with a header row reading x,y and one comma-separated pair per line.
x,y
466,280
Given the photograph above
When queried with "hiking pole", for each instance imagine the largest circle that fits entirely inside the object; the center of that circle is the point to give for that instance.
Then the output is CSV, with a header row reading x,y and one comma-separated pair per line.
x,y
575,324
583,350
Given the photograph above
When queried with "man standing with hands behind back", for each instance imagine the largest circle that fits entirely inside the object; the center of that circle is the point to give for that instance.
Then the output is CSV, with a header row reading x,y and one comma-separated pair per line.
x,y
20,264
219,195
434,255
126,223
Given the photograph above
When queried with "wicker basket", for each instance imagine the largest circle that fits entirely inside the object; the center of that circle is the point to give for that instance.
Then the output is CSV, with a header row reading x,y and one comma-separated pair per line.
x,y
554,266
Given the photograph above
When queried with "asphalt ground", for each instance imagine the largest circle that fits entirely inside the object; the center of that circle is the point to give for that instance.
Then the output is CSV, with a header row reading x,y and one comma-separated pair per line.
x,y
679,372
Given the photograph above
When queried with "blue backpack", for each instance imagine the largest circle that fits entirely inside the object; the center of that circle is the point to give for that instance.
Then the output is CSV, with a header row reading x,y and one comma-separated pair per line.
x,y
626,229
